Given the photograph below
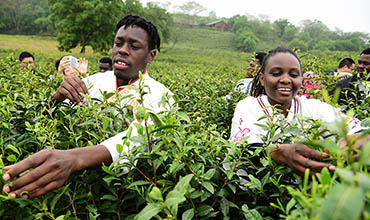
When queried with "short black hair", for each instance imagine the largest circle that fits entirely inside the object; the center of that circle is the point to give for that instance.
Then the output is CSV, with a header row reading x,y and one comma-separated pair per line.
x,y
257,89
366,51
346,62
106,60
154,40
260,56
25,54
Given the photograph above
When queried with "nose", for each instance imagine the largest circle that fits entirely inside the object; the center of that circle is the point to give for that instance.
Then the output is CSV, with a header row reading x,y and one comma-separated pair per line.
x,y
285,78
124,50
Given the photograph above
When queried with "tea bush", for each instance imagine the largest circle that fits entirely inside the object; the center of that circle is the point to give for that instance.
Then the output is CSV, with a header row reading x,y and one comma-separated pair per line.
x,y
186,167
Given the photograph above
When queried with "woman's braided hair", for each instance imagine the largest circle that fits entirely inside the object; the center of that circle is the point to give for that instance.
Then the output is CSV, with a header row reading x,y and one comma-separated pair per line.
x,y
257,89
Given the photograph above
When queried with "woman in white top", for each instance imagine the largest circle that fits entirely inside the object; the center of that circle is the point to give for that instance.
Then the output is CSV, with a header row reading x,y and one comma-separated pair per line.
x,y
277,85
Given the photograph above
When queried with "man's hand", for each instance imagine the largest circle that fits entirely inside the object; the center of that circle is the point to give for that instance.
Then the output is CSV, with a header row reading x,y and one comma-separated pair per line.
x,y
299,157
51,169
71,88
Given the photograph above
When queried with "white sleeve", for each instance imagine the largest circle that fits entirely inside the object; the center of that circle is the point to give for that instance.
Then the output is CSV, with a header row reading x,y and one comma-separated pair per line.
x,y
328,113
111,143
243,122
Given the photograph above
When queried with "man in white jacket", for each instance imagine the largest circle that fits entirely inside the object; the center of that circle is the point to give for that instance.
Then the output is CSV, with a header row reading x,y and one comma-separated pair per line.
x,y
134,47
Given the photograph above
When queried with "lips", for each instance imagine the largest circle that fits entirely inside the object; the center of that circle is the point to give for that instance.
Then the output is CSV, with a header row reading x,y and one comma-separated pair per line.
x,y
120,64
285,90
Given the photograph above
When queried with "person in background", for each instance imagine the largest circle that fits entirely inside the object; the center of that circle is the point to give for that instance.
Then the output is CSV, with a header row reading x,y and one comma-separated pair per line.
x,y
105,64
135,45
345,68
244,85
27,60
71,66
356,87
279,80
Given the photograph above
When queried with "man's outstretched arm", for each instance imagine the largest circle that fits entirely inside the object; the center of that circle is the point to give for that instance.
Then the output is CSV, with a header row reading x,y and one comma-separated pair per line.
x,y
51,169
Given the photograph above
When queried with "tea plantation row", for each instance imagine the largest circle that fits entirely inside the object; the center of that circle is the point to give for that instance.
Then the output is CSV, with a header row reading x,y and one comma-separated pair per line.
x,y
183,177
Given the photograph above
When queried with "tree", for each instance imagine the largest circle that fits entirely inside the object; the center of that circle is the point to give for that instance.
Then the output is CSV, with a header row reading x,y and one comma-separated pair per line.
x,y
160,18
298,44
280,25
132,7
85,23
13,10
247,41
290,32
192,9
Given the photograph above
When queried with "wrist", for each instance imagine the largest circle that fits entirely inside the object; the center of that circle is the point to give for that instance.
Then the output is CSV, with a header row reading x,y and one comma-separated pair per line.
x,y
91,157
276,153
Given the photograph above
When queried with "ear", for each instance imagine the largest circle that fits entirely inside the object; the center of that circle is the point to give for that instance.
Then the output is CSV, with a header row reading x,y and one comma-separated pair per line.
x,y
261,77
151,56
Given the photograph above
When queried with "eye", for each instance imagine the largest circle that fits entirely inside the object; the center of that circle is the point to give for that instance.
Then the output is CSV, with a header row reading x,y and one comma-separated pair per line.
x,y
135,47
294,74
118,44
276,73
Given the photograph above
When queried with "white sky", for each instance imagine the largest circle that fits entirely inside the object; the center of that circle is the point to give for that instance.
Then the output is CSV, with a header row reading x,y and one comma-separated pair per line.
x,y
347,15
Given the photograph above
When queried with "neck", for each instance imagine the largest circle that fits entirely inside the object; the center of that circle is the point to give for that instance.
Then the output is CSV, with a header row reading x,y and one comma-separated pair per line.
x,y
284,107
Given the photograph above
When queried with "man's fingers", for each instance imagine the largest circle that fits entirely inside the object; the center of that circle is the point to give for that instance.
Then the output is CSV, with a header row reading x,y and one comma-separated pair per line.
x,y
43,190
75,86
30,162
37,184
71,89
6,168
310,153
314,166
30,177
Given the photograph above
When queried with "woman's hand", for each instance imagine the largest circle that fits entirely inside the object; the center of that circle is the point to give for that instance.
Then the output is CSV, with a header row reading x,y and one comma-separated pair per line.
x,y
82,67
299,157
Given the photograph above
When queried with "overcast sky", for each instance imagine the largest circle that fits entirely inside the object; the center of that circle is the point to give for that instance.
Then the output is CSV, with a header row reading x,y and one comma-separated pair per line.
x,y
347,15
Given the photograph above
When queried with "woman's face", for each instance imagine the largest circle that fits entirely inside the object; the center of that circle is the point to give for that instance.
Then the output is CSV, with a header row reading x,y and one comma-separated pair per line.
x,y
282,79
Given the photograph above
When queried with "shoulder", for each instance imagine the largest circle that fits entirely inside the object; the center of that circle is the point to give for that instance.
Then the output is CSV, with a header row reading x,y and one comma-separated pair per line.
x,y
347,80
247,101
155,86
99,77
316,109
247,105
313,103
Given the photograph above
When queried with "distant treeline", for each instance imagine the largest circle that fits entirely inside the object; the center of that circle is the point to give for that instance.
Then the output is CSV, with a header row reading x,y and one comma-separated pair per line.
x,y
91,23
253,34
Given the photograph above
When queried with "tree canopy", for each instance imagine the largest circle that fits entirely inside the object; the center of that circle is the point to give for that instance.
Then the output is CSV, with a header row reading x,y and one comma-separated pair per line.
x,y
85,22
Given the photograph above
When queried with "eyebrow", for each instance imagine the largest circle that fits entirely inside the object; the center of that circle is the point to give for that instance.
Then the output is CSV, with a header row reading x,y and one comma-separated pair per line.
x,y
132,40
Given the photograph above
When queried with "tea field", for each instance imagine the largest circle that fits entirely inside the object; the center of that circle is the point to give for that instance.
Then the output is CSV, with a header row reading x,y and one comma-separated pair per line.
x,y
184,176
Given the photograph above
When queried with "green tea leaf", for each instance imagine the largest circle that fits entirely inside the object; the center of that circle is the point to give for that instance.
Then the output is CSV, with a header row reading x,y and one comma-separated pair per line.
x,y
183,184
174,198
156,194
343,202
209,174
188,214
149,211
12,158
108,197
209,187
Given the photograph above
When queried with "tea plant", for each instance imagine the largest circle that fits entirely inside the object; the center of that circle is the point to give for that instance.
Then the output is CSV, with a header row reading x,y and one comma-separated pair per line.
x,y
185,167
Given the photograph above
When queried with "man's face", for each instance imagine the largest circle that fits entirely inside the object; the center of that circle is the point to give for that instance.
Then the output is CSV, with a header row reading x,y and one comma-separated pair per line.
x,y
27,63
363,63
104,67
130,53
